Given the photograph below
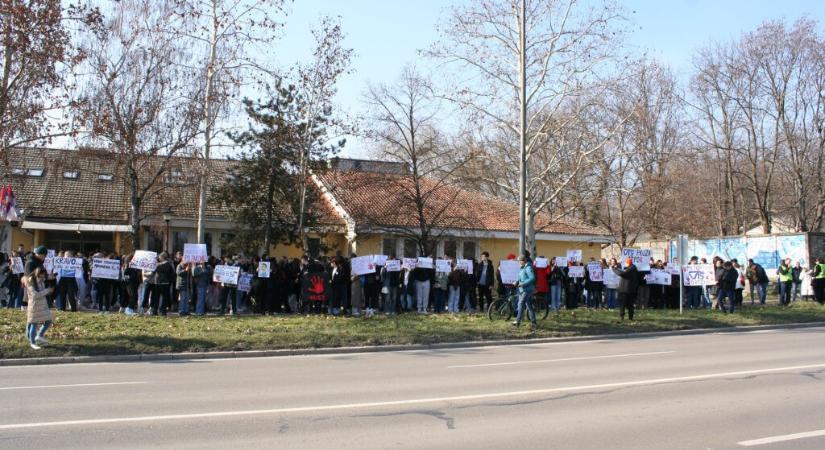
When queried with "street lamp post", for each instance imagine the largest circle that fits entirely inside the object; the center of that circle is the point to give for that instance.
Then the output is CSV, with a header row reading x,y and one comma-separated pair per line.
x,y
167,217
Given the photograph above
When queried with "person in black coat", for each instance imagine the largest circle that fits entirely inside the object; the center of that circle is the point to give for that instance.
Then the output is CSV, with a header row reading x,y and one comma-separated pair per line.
x,y
486,276
628,288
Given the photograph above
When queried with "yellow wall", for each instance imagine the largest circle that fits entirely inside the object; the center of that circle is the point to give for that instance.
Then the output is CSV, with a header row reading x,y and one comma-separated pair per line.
x,y
500,248
26,238
332,241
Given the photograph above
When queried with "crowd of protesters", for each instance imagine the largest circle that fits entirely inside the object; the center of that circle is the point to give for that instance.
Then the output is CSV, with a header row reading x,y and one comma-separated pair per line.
x,y
187,288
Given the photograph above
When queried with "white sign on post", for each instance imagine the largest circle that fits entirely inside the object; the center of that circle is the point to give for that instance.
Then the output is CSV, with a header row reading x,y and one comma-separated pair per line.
x,y
392,265
379,260
108,269
509,271
561,261
144,260
194,253
465,265
425,263
595,272
245,282
541,263
574,255
575,271
698,275
611,280
409,263
362,265
443,265
640,257
264,269
226,274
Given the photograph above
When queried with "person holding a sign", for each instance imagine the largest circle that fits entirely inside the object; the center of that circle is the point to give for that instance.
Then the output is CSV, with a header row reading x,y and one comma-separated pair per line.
x,y
67,283
183,283
486,281
389,282
38,308
526,285
628,288
422,278
555,280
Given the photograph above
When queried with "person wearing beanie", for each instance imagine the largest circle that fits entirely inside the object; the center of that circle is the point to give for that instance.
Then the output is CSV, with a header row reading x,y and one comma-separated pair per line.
x,y
35,260
628,288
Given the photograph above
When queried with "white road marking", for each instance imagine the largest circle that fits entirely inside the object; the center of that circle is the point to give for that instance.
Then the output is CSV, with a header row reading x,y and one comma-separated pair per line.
x,y
415,401
540,361
782,438
52,386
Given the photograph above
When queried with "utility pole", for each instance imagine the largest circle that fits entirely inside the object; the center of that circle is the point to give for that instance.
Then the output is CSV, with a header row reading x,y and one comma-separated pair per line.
x,y
522,203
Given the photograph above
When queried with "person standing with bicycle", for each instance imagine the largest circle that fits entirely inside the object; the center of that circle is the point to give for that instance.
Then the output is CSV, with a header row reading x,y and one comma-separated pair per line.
x,y
526,285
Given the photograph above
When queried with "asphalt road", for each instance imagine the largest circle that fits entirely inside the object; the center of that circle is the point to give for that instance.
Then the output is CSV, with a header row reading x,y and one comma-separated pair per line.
x,y
764,389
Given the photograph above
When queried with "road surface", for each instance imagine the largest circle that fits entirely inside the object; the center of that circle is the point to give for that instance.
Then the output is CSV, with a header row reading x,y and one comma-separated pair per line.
x,y
762,389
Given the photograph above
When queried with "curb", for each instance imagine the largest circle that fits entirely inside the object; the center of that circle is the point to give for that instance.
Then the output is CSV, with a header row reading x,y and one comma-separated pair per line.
x,y
381,348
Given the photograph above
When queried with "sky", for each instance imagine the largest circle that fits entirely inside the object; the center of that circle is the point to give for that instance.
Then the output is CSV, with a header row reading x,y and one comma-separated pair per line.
x,y
387,34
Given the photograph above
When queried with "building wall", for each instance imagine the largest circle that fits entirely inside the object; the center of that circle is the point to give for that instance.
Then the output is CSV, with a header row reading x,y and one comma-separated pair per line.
x,y
19,236
500,248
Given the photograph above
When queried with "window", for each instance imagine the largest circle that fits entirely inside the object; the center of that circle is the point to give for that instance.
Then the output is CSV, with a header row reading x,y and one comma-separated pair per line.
x,y
175,176
410,248
450,249
18,171
71,174
178,239
314,247
35,172
389,247
469,250
105,177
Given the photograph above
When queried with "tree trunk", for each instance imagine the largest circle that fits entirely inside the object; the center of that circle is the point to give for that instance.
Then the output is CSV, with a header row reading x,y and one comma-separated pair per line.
x,y
208,113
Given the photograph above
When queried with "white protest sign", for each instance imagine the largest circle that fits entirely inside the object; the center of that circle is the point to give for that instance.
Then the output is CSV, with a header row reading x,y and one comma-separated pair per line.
x,y
425,263
108,269
264,269
48,263
50,253
561,261
674,269
574,255
541,263
379,260
465,265
226,274
144,260
595,271
611,280
245,282
61,263
409,263
660,277
392,265
17,265
443,265
509,271
362,265
640,257
699,275
194,253
575,272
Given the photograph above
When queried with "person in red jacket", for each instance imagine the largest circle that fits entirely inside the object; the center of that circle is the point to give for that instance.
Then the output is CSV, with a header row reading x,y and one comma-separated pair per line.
x,y
542,287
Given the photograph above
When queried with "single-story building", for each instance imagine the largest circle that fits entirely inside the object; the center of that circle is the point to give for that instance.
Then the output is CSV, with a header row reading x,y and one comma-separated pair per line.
x,y
78,200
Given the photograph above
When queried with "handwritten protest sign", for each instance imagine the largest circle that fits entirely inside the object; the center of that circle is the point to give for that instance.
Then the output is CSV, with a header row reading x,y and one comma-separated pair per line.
x,y
561,261
611,280
194,253
144,260
509,271
541,263
425,263
379,260
362,265
17,265
595,272
576,272
226,274
674,269
465,265
574,255
108,269
409,263
698,275
640,257
245,282
659,277
67,264
264,269
443,265
392,265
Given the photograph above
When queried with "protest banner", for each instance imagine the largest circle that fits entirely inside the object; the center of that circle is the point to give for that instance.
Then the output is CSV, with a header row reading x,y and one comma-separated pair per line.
x,y
465,265
264,269
108,269
226,274
576,272
541,263
611,280
698,275
574,255
48,262
674,269
409,263
640,257
194,253
17,265
509,271
379,260
392,265
67,264
425,263
315,286
144,260
443,265
245,282
659,277
595,271
362,265
561,261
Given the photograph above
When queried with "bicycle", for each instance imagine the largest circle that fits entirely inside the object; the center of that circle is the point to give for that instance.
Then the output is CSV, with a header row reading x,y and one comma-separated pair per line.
x,y
505,307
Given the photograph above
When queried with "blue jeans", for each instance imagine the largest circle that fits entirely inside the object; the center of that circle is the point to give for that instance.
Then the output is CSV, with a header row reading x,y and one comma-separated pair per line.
x,y
453,299
200,301
762,289
439,299
555,296
611,298
31,330
694,297
524,299
15,296
183,296
408,301
726,294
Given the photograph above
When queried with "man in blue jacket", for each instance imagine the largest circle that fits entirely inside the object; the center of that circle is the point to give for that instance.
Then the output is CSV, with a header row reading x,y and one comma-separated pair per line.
x,y
526,286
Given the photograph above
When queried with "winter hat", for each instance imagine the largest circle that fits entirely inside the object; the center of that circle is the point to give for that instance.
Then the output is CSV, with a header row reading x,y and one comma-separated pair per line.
x,y
41,250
